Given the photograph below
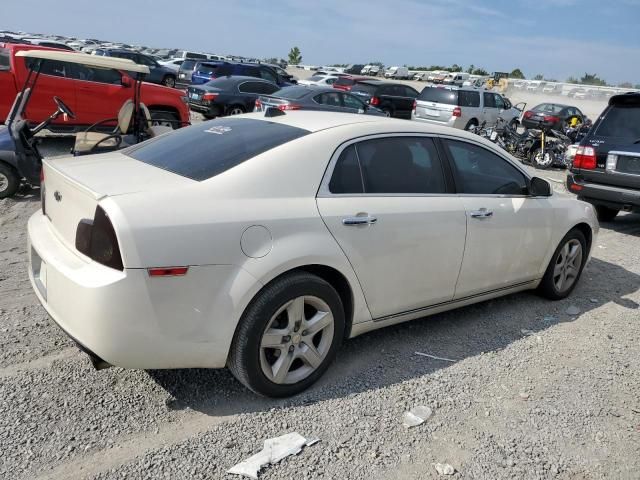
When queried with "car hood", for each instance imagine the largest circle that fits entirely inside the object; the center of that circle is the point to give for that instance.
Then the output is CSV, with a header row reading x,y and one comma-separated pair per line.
x,y
114,173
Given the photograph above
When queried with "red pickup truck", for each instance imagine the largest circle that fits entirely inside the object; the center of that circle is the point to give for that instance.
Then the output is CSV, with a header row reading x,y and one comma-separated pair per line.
x,y
93,94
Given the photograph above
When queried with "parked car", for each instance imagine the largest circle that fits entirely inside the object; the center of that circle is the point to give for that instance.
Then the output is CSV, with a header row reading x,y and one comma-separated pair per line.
x,y
550,115
463,107
374,71
365,70
228,95
323,80
354,69
273,238
552,88
94,94
257,70
519,85
394,99
173,64
185,72
606,168
157,73
284,75
398,73
535,86
438,77
577,93
46,42
204,71
420,76
347,82
456,78
321,99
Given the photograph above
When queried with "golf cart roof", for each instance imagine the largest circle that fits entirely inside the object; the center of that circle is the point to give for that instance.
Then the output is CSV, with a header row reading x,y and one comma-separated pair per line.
x,y
84,59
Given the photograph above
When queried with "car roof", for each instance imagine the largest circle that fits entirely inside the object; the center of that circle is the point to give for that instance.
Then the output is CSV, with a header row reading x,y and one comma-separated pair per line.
x,y
85,59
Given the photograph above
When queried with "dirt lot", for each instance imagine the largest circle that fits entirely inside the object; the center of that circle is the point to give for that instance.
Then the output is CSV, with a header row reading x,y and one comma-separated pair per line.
x,y
532,391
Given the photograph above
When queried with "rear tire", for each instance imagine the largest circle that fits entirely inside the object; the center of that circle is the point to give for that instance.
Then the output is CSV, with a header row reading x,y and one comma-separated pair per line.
x,y
235,110
273,335
387,112
606,214
168,119
169,81
9,181
565,268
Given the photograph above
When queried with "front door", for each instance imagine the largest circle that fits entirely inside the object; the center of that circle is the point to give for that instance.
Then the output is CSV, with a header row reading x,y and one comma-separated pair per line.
x,y
508,231
388,206
490,111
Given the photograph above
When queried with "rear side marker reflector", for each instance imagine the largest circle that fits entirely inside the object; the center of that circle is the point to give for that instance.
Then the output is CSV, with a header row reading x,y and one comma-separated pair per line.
x,y
168,271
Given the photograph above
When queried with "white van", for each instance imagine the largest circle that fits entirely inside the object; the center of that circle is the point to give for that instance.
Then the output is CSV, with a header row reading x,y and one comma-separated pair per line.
x,y
397,73
456,78
184,54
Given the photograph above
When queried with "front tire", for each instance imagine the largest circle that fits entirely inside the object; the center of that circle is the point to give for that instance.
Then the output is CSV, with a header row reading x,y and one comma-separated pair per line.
x,y
9,181
288,336
169,81
606,214
165,119
540,160
565,267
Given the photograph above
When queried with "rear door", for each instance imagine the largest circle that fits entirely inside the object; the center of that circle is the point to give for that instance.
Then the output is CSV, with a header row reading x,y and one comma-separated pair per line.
x,y
352,104
329,101
436,104
388,204
100,93
490,110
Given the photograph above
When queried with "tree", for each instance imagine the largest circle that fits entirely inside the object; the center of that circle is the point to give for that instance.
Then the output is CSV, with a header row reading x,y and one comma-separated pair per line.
x,y
455,68
295,57
471,68
538,77
592,79
480,71
517,73
573,80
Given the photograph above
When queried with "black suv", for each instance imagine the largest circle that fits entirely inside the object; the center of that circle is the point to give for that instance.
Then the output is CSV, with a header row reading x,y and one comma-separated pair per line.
x,y
157,73
394,99
606,168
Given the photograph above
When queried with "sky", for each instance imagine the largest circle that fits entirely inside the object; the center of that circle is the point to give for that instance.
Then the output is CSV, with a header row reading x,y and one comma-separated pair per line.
x,y
557,38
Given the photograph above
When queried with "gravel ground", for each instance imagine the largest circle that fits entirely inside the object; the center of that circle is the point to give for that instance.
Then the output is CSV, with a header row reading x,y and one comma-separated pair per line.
x,y
533,392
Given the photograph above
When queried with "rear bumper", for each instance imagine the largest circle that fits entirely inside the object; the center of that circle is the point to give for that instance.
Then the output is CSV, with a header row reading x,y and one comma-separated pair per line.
x,y
451,121
129,320
605,195
212,110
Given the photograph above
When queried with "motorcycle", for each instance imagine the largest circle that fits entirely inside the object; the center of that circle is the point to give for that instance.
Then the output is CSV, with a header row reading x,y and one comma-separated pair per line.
x,y
549,150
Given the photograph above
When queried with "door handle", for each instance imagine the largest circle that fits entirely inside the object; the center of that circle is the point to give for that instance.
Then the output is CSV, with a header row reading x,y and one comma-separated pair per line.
x,y
368,220
482,213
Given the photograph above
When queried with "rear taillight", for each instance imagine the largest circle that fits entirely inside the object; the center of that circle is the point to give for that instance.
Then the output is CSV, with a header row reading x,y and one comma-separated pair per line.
x,y
585,158
97,240
258,105
415,105
374,101
551,119
457,112
209,97
528,114
289,106
42,192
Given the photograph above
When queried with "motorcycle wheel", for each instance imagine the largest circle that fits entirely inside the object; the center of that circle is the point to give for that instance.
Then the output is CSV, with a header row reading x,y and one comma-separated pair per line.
x,y
542,161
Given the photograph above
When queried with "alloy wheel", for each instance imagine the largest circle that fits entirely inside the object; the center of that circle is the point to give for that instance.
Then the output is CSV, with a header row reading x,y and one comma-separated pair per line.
x,y
297,340
169,82
541,160
4,182
236,111
567,267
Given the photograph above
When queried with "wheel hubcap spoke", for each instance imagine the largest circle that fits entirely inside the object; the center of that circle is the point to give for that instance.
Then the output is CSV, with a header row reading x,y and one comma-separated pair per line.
x,y
320,321
282,366
273,338
311,356
295,312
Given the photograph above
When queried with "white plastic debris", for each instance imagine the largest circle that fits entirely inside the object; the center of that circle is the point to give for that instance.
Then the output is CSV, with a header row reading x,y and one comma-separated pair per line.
x,y
416,416
434,357
573,310
275,449
444,469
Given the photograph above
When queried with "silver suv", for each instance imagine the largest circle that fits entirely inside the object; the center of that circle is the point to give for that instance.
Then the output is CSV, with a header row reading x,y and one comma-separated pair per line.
x,y
463,107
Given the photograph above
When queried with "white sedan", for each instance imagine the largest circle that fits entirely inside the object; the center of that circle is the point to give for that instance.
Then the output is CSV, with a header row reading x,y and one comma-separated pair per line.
x,y
319,81
260,242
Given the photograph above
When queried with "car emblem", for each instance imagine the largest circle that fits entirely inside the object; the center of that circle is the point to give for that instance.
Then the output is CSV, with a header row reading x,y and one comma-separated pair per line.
x,y
57,195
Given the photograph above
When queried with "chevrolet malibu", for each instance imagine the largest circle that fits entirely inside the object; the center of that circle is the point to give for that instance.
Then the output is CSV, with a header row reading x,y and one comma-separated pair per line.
x,y
260,242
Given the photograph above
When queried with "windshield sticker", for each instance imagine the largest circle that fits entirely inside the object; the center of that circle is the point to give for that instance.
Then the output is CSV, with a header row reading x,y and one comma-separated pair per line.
x,y
218,130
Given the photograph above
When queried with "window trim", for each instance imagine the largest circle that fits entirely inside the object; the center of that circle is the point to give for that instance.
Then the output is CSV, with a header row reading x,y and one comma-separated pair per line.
x,y
325,192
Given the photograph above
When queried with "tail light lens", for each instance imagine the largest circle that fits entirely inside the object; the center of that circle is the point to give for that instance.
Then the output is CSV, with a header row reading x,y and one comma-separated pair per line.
x,y
42,192
457,112
209,97
289,106
528,114
415,105
585,158
551,119
258,105
374,101
97,240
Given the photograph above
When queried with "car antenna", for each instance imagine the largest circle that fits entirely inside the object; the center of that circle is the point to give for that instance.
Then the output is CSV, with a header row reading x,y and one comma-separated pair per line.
x,y
273,112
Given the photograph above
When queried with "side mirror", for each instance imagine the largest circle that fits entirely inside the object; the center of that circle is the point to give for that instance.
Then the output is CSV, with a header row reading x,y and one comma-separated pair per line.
x,y
539,187
126,81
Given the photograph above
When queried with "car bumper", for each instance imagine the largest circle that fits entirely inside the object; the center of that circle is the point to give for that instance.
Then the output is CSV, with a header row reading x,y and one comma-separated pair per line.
x,y
453,122
128,319
212,110
606,195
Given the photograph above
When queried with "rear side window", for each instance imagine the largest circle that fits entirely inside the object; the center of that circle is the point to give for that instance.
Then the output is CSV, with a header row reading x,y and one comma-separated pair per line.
x,y
205,150
489,100
345,82
363,89
347,177
188,65
622,122
468,99
5,63
439,95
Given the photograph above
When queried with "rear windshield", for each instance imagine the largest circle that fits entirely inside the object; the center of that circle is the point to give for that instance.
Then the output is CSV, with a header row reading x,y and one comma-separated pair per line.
x,y
363,89
622,122
188,65
292,92
223,83
207,149
4,60
207,68
345,81
439,95
548,108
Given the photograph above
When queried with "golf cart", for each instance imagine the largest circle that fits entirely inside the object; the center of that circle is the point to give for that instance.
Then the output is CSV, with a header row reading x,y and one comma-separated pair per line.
x,y
20,160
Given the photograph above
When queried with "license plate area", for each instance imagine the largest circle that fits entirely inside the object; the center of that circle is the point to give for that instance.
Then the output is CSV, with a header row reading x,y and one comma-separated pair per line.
x,y
629,165
39,271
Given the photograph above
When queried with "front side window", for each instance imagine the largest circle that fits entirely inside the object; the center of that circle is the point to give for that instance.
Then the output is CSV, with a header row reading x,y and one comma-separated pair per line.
x,y
482,172
53,68
499,101
5,63
392,165
268,75
489,100
352,102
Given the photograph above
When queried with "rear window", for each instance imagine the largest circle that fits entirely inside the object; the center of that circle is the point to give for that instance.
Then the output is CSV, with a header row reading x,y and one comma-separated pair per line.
x,y
4,60
207,149
223,83
345,81
439,95
207,68
548,108
364,89
622,122
188,65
